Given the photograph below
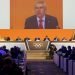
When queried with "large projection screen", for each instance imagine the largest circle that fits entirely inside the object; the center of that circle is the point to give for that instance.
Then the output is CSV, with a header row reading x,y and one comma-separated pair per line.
x,y
13,13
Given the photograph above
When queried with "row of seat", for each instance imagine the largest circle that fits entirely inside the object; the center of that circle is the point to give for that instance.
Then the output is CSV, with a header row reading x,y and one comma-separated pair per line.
x,y
38,38
66,63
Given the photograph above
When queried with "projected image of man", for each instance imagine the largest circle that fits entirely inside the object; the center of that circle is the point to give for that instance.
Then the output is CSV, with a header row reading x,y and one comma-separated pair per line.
x,y
41,20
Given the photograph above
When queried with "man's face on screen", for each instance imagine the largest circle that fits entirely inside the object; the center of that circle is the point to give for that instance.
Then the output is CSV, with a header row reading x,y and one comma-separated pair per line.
x,y
40,10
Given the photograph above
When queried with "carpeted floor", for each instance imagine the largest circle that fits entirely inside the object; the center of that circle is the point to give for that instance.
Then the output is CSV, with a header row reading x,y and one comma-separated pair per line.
x,y
43,68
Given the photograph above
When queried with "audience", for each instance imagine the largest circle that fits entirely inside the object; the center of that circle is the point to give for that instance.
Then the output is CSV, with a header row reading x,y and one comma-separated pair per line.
x,y
16,52
62,50
7,65
67,52
10,68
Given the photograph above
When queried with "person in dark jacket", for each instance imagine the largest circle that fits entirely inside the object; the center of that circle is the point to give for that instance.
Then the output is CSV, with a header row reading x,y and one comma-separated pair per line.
x,y
10,68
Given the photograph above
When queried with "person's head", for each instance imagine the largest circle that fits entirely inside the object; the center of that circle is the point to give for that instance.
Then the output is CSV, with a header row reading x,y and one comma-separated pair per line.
x,y
4,47
40,8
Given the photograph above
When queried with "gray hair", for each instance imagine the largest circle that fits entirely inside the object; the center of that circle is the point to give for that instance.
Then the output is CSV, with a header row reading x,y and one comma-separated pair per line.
x,y
40,2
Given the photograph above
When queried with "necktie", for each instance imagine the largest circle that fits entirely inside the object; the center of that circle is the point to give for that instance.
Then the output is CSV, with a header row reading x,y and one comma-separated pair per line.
x,y
40,24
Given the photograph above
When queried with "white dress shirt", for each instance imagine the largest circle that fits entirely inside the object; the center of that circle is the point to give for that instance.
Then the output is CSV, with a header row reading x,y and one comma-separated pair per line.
x,y
42,23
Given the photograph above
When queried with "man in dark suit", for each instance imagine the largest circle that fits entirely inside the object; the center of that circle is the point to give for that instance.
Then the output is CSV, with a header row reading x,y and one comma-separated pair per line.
x,y
41,20
46,38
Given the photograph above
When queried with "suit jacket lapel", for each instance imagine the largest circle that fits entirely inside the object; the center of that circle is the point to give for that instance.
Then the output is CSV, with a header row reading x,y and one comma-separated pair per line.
x,y
46,22
35,22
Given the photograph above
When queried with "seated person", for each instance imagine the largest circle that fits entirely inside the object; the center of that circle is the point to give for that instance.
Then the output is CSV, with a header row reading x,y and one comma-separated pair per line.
x,y
69,50
46,38
64,39
41,20
62,51
15,52
72,55
7,39
56,39
18,39
37,39
26,39
4,48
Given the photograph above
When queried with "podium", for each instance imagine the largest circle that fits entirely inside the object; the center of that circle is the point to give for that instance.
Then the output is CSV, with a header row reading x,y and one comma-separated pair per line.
x,y
37,49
